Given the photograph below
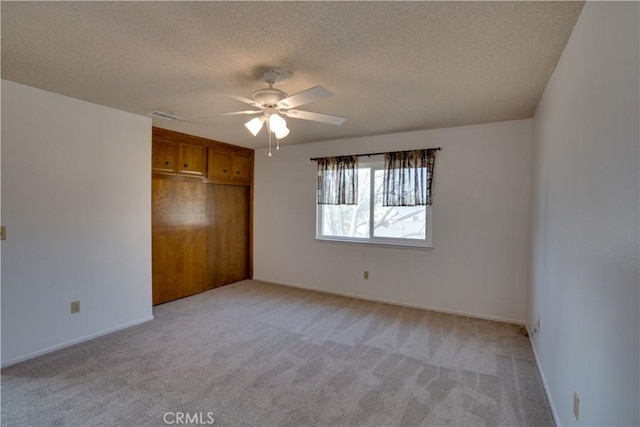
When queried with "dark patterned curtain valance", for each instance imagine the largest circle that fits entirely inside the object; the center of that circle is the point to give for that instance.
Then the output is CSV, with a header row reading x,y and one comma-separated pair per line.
x,y
407,177
338,180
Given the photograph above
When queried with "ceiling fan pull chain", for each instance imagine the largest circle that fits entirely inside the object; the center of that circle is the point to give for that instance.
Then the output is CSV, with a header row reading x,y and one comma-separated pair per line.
x,y
269,132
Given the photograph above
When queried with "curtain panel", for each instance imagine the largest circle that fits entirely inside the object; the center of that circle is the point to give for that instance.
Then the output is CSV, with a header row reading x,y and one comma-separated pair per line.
x,y
408,176
338,180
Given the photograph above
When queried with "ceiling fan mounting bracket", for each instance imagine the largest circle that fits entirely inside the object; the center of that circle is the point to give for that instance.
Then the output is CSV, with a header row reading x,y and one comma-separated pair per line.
x,y
274,75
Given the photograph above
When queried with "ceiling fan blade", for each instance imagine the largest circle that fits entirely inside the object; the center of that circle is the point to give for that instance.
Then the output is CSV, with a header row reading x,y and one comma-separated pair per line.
x,y
316,117
235,113
239,98
245,100
305,97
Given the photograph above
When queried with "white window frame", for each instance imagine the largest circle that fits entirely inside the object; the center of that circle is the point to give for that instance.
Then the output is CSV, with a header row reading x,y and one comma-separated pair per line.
x,y
374,165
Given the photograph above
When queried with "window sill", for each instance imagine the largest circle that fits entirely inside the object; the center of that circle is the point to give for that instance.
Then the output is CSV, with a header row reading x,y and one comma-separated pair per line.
x,y
423,247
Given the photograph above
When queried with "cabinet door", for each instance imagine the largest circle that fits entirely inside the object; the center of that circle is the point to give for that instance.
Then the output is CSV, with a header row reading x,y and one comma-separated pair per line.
x,y
228,233
242,168
178,239
193,160
220,165
163,156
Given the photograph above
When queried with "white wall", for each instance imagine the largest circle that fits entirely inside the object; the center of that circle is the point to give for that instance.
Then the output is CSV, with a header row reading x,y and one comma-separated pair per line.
x,y
1,223
585,272
479,263
76,192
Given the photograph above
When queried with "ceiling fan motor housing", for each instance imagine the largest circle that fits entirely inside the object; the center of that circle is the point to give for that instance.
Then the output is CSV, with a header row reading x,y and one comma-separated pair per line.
x,y
269,96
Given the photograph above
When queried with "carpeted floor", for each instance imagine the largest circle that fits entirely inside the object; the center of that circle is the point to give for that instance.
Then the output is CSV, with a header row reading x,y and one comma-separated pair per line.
x,y
258,354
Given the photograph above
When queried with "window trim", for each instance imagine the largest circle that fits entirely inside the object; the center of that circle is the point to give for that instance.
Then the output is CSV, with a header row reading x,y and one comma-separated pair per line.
x,y
422,244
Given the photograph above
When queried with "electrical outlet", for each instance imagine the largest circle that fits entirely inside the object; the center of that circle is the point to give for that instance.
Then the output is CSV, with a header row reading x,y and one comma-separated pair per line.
x,y
75,306
576,405
366,275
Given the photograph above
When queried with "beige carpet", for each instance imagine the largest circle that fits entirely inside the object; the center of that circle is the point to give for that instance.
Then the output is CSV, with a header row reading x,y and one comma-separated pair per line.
x,y
264,355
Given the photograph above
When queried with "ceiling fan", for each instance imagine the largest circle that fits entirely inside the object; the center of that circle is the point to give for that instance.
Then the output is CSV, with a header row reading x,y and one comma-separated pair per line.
x,y
272,103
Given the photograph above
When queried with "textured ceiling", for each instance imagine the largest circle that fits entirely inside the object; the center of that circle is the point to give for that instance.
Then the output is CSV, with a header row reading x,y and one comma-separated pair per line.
x,y
393,66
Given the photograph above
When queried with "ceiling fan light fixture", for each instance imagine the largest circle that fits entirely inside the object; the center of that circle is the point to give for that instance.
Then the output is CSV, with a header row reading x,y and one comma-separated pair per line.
x,y
254,125
277,124
282,133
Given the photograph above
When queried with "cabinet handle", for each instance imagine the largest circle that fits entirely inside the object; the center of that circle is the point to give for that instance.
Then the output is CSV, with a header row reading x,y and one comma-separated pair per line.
x,y
225,171
185,165
237,172
166,163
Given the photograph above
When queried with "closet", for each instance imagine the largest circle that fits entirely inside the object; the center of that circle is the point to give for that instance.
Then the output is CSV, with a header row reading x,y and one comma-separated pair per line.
x,y
201,214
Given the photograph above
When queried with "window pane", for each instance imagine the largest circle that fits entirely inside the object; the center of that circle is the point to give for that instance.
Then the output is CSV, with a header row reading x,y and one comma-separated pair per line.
x,y
350,220
401,222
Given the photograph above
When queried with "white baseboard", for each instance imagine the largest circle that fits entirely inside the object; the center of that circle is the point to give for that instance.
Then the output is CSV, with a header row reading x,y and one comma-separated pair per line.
x,y
394,302
74,341
544,380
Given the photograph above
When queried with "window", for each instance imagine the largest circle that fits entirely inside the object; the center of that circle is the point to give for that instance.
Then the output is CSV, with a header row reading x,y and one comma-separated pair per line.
x,y
369,221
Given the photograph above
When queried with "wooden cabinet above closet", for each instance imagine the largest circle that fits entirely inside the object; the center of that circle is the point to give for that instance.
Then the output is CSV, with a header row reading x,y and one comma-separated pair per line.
x,y
192,160
227,167
163,156
210,161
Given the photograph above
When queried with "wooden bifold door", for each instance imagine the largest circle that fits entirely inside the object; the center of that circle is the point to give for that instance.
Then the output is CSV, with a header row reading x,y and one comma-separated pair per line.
x,y
178,238
227,231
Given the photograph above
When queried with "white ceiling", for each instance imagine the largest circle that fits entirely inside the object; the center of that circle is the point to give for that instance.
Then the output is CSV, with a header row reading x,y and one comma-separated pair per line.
x,y
393,66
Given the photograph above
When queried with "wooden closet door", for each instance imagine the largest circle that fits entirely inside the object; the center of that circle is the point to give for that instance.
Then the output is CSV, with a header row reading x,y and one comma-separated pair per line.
x,y
228,234
178,239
